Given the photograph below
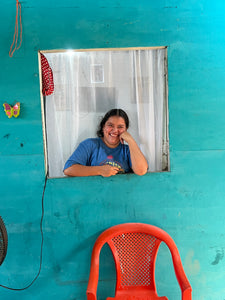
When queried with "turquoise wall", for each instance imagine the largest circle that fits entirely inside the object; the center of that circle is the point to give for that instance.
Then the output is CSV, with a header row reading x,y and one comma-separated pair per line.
x,y
187,202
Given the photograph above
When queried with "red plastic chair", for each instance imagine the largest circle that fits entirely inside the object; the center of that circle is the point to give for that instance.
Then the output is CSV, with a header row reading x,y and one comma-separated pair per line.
x,y
134,247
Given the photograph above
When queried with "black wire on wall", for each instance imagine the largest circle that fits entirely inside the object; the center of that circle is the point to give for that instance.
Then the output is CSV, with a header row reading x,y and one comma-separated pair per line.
x,y
41,250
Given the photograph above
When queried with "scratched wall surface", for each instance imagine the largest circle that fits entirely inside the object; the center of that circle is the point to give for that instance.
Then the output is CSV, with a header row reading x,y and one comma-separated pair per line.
x,y
187,202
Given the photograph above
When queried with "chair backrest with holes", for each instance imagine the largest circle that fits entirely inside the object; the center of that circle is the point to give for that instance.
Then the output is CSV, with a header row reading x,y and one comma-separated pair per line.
x,y
134,254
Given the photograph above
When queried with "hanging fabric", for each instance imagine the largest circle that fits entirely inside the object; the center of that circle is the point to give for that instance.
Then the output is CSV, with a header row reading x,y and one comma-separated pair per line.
x,y
47,77
18,28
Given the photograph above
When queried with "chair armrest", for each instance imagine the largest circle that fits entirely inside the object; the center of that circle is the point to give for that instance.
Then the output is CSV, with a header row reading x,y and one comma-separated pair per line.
x,y
91,296
184,284
186,294
92,283
93,276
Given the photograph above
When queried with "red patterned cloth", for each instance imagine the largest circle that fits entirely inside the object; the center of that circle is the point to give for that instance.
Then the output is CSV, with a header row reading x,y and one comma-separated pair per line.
x,y
47,77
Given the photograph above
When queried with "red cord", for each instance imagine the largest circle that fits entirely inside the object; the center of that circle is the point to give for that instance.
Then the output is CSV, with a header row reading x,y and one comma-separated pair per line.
x,y
15,37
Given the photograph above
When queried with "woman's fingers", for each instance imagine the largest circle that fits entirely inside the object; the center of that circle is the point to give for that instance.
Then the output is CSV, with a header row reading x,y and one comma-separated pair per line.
x,y
108,170
125,136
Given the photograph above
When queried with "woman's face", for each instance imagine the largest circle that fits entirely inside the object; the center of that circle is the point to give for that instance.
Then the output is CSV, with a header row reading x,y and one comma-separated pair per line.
x,y
112,130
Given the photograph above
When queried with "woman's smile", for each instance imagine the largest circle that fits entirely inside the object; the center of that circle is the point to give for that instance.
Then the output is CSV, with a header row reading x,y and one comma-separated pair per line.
x,y
112,130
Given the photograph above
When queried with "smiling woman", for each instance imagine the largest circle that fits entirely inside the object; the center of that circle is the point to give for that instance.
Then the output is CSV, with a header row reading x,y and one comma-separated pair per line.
x,y
107,155
113,128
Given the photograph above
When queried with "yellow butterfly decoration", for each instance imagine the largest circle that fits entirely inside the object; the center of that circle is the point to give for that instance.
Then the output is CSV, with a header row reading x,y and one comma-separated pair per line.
x,y
12,110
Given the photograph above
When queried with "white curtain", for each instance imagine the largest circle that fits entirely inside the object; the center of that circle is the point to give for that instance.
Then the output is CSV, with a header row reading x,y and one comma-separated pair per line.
x,y
89,83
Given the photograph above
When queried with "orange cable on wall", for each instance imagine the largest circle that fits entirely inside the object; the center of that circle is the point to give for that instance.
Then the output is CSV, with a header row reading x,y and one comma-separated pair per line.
x,y
18,27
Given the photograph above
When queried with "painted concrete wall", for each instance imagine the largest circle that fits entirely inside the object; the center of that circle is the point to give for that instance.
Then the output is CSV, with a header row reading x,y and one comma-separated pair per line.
x,y
188,202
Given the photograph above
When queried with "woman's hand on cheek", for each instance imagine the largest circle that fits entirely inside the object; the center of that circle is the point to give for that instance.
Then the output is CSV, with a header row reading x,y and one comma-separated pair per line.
x,y
125,136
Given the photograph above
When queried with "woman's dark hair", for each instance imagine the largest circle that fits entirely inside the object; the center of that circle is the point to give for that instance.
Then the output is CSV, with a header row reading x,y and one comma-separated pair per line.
x,y
113,112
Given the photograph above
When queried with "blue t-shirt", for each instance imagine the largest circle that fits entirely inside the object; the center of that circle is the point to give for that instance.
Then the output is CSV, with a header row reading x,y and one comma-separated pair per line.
x,y
94,152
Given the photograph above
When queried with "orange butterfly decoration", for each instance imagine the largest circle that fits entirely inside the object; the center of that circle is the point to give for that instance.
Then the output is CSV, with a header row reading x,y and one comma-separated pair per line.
x,y
12,110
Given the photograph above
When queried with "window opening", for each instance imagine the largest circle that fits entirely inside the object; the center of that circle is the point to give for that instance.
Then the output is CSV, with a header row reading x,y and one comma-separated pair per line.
x,y
88,83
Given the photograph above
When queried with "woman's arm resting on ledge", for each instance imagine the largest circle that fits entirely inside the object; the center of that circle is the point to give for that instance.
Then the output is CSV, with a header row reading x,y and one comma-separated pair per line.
x,y
83,171
139,162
